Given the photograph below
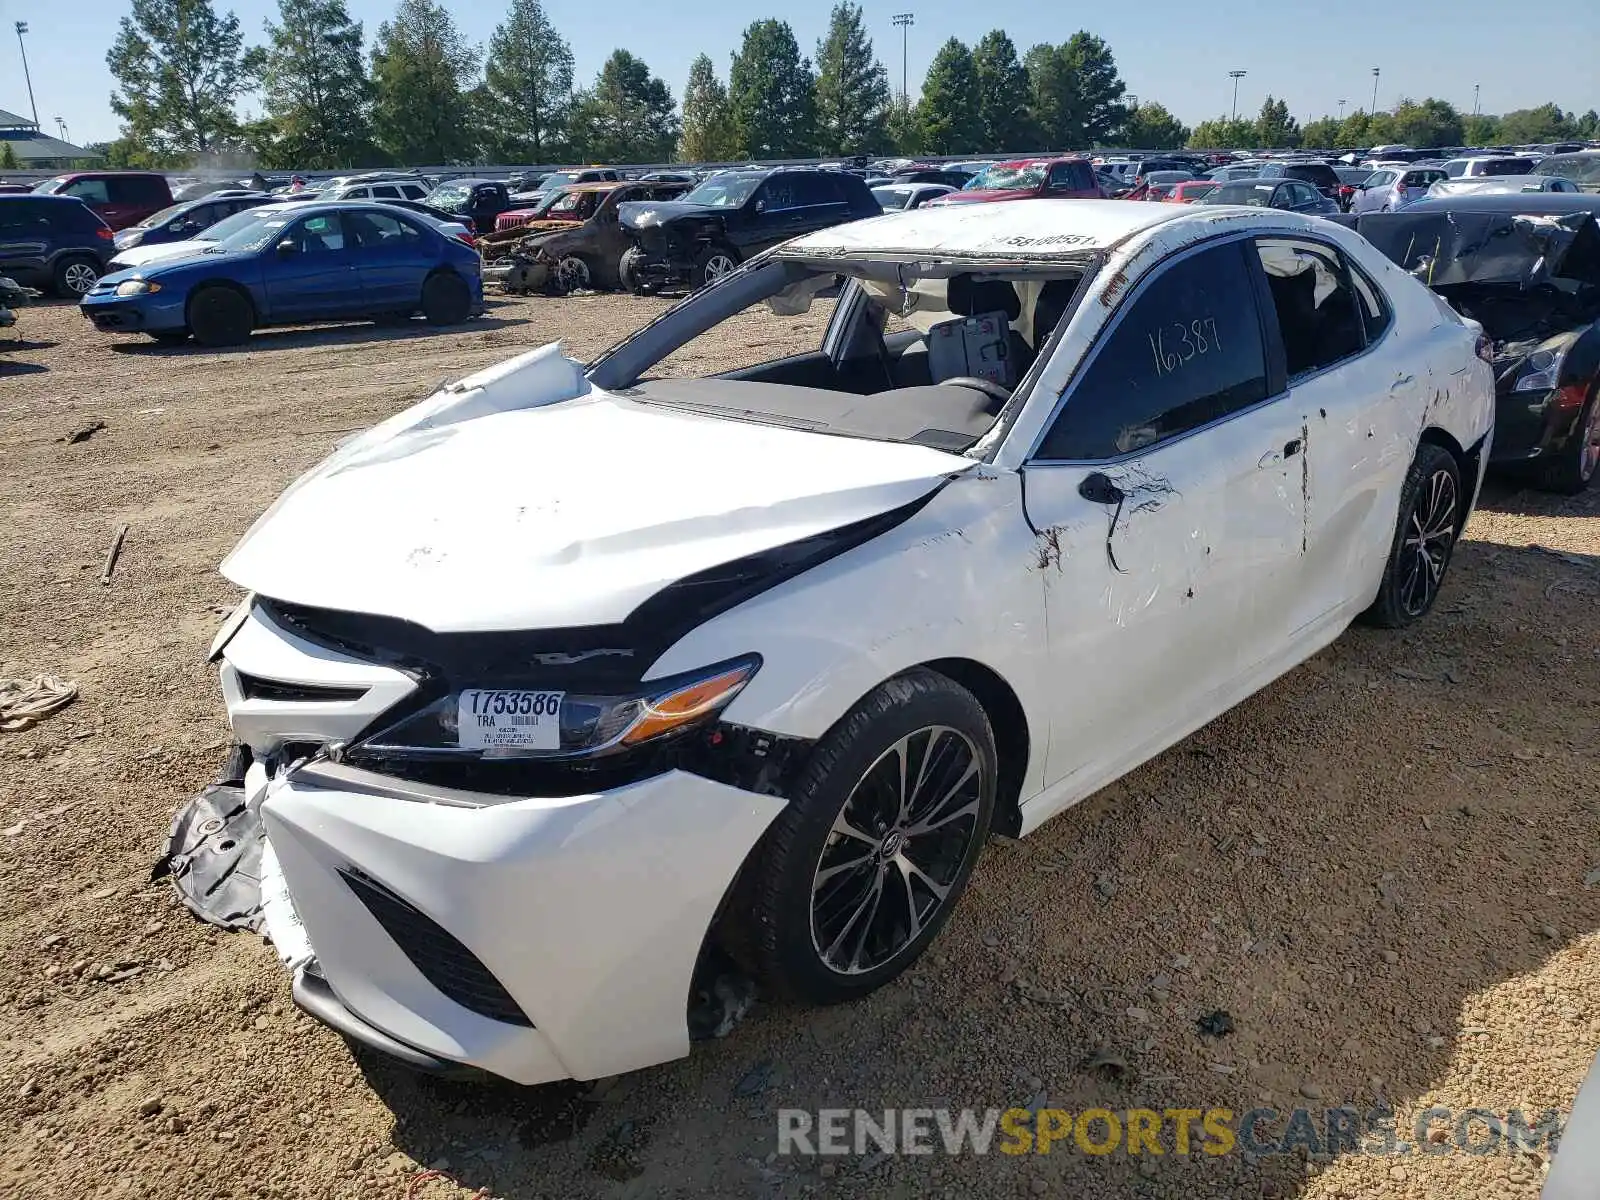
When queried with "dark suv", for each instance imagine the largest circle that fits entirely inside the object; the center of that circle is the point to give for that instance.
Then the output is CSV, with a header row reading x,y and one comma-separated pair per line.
x,y
53,241
1318,174
732,216
122,198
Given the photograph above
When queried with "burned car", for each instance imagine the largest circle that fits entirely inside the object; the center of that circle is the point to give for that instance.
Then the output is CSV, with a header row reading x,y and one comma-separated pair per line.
x,y
574,241
1527,269
732,216
640,680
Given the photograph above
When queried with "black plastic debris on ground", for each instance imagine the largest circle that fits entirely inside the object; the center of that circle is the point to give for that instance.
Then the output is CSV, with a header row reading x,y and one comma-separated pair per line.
x,y
213,856
1216,1024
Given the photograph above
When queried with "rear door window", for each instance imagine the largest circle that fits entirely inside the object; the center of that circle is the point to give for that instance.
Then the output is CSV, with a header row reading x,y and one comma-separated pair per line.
x,y
1318,319
385,192
90,191
1187,352
811,190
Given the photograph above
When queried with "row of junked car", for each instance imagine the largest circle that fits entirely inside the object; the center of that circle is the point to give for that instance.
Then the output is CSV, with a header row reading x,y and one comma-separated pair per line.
x,y
639,691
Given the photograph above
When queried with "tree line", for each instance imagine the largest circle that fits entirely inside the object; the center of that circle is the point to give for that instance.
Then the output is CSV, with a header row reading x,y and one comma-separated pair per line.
x,y
423,94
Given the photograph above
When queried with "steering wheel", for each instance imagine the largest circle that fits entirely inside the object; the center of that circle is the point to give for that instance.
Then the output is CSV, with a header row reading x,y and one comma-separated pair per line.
x,y
987,386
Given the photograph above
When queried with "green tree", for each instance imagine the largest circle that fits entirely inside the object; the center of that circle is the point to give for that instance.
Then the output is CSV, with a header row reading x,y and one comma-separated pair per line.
x,y
904,132
420,67
1223,133
1002,93
627,116
315,87
772,93
1275,128
8,156
1322,134
1077,93
1587,126
1098,86
1547,123
1480,129
948,112
528,78
1428,124
179,68
1151,127
708,132
852,87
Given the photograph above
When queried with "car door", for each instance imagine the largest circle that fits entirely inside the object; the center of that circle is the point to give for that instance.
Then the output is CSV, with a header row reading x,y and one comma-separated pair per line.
x,y
1357,410
93,192
796,204
392,257
309,273
1165,491
25,238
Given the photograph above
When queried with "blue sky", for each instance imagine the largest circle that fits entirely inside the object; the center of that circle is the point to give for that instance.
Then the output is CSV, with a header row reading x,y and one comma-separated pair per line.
x,y
1174,51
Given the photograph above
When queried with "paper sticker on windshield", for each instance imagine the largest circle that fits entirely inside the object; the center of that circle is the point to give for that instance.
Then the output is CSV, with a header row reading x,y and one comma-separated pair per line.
x,y
518,719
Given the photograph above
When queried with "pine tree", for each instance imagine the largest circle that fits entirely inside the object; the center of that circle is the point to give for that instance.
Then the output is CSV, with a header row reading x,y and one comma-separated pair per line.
x,y
852,87
772,94
708,133
420,67
315,85
1002,93
528,80
1275,128
948,112
1151,127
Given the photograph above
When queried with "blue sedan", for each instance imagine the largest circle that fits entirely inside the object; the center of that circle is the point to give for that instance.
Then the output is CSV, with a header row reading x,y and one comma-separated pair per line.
x,y
322,262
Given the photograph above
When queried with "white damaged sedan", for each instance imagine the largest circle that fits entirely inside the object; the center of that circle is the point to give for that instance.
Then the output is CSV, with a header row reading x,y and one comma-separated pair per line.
x,y
575,697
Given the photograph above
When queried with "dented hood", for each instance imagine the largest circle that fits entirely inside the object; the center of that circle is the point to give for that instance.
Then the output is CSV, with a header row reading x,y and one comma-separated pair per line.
x,y
647,214
539,502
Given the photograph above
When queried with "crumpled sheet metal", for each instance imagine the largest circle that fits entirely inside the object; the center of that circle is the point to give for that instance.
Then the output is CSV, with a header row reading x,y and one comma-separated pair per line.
x,y
213,856
1448,248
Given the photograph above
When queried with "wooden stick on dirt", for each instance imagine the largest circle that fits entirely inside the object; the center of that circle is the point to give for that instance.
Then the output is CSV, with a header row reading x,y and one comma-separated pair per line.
x,y
111,554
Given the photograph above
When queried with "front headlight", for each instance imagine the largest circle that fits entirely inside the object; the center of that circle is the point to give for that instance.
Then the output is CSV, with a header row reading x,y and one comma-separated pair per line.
x,y
1539,372
505,721
137,287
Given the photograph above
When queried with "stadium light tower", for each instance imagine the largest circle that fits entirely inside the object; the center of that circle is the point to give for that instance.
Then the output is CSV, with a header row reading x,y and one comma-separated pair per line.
x,y
1375,73
1342,103
904,21
22,28
1235,76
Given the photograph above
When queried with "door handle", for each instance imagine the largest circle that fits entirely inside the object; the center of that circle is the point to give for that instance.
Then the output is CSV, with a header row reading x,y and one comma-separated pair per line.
x,y
1270,459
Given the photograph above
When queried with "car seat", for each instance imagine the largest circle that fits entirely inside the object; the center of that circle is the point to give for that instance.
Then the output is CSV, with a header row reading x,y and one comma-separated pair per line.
x,y
979,341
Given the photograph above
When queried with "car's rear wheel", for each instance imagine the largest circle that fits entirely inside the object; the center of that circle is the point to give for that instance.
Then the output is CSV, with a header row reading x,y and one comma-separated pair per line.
x,y
74,277
569,275
1431,504
446,299
859,873
630,272
1573,470
220,316
713,263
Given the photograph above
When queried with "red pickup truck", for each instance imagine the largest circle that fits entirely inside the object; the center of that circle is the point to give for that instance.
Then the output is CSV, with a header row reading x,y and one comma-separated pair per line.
x,y
1029,179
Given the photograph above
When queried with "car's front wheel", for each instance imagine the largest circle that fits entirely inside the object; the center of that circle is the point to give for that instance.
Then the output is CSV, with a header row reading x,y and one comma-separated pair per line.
x,y
1431,504
220,316
859,873
713,263
1573,469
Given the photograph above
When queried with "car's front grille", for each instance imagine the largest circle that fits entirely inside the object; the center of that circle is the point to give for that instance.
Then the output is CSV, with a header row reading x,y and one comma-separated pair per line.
x,y
256,688
443,961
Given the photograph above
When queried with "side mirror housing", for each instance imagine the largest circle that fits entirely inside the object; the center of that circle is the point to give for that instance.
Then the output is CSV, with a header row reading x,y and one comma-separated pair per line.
x,y
287,249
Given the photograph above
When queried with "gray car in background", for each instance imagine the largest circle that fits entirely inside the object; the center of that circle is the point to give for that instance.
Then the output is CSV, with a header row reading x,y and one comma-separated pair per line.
x,y
1390,189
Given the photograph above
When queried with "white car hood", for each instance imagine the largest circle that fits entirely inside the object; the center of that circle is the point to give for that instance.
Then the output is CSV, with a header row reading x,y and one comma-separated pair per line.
x,y
522,498
137,256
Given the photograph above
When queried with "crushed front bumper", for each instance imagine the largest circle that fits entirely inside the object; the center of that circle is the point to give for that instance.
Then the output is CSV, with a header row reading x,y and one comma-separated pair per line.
x,y
463,933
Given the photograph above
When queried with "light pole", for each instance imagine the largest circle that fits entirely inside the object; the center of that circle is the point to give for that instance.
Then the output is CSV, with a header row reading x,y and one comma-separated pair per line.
x,y
1235,76
61,128
1474,99
1375,73
22,28
1342,103
904,21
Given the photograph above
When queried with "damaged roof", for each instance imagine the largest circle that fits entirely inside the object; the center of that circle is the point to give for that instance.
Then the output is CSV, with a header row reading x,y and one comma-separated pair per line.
x,y
1037,228
1502,240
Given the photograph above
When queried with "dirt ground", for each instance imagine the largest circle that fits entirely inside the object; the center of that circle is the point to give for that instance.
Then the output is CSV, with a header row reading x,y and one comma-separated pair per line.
x,y
1380,867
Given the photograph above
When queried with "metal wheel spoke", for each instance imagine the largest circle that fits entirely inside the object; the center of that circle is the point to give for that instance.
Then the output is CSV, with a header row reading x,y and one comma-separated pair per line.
x,y
940,820
909,871
842,826
827,873
859,922
913,917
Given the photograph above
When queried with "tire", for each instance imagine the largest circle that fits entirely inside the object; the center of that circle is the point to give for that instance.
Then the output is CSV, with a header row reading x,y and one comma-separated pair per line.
x,y
446,299
629,273
1574,469
827,908
170,337
713,263
220,316
1431,504
73,277
569,275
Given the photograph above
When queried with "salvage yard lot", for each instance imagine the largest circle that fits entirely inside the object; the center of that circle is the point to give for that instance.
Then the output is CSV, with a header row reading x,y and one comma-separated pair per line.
x,y
1377,866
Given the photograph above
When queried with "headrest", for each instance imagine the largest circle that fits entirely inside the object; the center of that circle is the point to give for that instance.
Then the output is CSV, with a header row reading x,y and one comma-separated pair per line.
x,y
968,298
1048,309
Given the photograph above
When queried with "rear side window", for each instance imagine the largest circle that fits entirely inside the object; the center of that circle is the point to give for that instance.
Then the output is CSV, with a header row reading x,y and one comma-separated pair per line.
x,y
1455,170
139,189
814,189
1187,352
385,192
1317,316
90,191
1507,166
26,214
